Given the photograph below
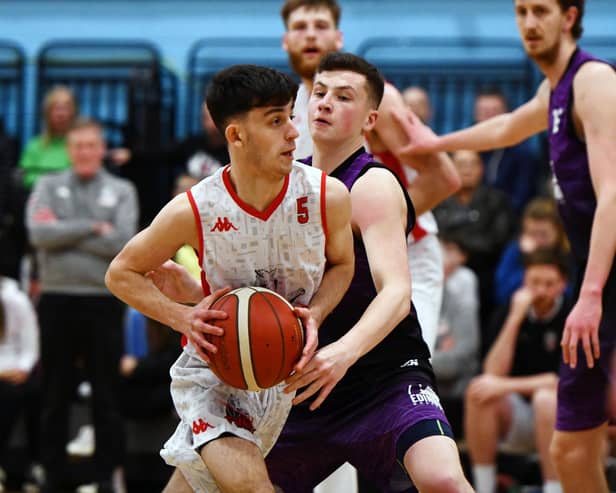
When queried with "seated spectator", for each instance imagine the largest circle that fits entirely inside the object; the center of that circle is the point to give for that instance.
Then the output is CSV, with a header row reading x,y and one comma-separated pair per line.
x,y
513,170
417,100
541,228
19,387
514,400
456,356
145,380
482,218
47,152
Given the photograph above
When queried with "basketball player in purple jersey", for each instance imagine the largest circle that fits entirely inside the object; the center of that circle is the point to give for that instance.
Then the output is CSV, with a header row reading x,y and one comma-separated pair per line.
x,y
576,104
368,395
262,213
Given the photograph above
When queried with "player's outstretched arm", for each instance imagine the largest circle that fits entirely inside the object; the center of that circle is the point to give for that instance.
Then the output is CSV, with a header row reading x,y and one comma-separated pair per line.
x,y
595,108
340,265
381,220
497,132
437,176
148,250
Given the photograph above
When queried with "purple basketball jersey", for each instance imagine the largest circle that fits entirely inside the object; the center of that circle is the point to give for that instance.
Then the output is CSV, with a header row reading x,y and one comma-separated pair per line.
x,y
581,391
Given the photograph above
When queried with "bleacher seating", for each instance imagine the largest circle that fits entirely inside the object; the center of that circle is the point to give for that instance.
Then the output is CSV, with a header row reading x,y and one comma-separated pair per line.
x,y
12,83
452,71
209,55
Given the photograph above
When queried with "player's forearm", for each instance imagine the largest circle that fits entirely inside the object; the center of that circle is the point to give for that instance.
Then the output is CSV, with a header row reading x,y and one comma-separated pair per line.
x,y
602,244
499,359
529,385
391,305
137,291
334,285
490,134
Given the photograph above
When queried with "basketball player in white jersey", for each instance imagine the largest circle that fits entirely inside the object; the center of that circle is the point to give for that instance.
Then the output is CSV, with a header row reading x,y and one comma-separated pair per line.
x,y
263,220
311,32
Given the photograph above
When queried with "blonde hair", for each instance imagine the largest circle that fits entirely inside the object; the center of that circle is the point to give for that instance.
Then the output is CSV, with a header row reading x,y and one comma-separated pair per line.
x,y
51,98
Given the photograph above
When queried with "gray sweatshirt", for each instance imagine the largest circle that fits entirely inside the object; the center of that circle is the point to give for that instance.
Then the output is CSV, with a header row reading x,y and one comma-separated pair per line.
x,y
61,215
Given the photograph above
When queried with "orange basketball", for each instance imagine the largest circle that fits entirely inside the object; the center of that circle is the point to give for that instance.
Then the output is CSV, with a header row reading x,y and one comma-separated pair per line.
x,y
263,339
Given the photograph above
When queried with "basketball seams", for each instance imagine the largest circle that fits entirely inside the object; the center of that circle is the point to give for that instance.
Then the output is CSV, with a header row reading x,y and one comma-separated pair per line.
x,y
283,358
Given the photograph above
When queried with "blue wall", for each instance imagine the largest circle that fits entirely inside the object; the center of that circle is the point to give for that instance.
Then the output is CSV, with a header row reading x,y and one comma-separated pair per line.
x,y
174,25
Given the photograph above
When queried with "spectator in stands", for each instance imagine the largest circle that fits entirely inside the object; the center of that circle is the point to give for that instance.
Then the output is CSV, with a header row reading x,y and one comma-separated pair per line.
x,y
12,199
78,220
417,100
198,155
145,379
19,388
512,169
47,152
482,218
456,357
541,228
515,397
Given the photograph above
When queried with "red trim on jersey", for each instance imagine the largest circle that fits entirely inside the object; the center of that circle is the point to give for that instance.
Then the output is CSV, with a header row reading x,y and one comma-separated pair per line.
x,y
324,204
263,215
195,209
391,161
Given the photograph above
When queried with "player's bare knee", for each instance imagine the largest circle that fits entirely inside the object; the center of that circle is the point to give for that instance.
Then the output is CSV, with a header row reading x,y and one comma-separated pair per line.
x,y
444,482
566,454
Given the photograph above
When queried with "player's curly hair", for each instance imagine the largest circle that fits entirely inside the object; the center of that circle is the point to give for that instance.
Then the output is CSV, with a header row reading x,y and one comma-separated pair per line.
x,y
291,5
577,28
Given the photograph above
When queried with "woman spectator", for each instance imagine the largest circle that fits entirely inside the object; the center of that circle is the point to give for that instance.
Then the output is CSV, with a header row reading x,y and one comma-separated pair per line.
x,y
46,152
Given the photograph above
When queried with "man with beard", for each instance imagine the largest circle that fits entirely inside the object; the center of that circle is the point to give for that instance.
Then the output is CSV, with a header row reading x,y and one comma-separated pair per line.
x,y
576,103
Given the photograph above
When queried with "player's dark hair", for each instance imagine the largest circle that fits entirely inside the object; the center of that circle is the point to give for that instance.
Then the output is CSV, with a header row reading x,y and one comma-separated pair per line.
x,y
236,90
291,6
375,84
577,28
546,256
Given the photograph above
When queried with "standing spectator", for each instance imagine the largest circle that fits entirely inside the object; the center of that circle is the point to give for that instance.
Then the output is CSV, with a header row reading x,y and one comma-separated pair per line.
x,y
47,152
456,356
510,169
19,353
417,100
515,397
78,220
482,218
541,228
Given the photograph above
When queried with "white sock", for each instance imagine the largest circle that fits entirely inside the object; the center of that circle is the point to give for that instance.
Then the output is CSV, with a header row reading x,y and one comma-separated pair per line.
x,y
552,486
485,478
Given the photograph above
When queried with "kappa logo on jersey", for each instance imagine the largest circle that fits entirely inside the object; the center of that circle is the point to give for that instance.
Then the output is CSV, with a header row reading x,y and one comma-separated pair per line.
x,y
200,426
421,395
223,225
556,114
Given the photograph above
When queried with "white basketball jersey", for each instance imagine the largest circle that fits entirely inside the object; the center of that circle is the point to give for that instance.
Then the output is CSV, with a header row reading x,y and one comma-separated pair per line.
x,y
303,144
281,248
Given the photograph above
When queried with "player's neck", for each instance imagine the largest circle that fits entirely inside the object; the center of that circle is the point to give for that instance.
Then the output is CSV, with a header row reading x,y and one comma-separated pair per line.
x,y
328,156
255,189
554,70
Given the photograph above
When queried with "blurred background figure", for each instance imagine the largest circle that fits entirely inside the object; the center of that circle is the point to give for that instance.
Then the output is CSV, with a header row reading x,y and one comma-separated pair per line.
x,y
541,228
46,153
513,402
417,100
481,217
513,170
456,356
78,221
19,382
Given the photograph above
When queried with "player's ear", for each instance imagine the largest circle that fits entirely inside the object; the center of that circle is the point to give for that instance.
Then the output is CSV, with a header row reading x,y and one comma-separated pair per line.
x,y
370,120
234,134
285,44
571,14
339,40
